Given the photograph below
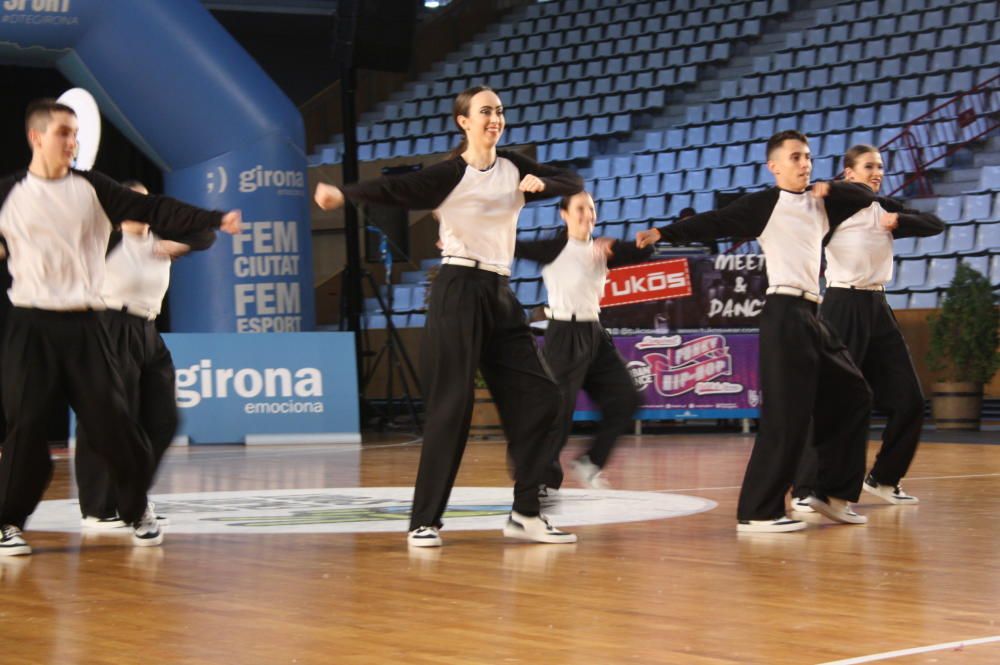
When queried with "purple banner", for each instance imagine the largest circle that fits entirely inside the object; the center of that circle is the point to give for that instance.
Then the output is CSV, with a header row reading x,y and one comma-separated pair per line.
x,y
727,292
697,375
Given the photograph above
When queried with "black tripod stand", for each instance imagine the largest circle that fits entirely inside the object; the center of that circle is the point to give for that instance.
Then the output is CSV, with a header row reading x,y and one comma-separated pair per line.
x,y
399,365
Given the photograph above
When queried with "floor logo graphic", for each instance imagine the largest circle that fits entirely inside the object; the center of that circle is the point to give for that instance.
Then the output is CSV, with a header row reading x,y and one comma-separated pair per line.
x,y
375,509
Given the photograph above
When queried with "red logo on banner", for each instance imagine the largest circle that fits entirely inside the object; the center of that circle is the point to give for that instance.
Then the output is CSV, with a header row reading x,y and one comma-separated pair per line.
x,y
647,281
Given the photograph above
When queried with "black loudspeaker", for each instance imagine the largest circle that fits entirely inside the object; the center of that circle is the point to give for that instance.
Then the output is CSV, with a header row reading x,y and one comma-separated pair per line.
x,y
394,223
385,32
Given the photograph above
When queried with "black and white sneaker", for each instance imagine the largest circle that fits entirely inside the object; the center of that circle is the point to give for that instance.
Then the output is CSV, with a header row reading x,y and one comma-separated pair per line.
x,y
424,536
160,519
838,510
801,505
146,532
889,493
102,523
778,525
536,529
589,474
11,541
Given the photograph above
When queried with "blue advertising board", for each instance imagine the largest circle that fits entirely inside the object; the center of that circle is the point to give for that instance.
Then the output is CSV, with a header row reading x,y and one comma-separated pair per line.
x,y
231,386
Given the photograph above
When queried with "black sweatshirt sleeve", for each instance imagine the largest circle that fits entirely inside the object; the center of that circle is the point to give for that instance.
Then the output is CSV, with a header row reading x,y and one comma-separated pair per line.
x,y
626,253
198,241
845,200
745,217
912,223
558,182
543,250
167,217
425,189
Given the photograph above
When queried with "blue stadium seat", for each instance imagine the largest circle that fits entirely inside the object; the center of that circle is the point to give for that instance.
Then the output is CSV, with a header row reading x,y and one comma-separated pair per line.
x,y
988,238
720,178
931,245
744,176
923,300
650,183
976,207
898,300
912,273
644,164
961,238
627,186
711,156
666,162
673,182
949,208
688,159
602,167
980,264
890,114
904,246
734,154
677,203
633,208
695,180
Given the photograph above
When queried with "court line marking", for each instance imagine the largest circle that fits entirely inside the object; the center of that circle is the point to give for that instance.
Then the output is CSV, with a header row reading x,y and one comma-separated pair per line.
x,y
909,652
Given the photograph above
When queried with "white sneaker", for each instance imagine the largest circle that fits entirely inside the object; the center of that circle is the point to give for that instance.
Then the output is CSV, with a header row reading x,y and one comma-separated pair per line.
x,y
424,536
838,510
779,525
103,523
589,474
146,532
11,542
802,505
889,493
536,529
160,519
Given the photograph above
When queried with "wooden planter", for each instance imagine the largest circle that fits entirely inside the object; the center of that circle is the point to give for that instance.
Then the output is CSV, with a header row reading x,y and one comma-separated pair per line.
x,y
957,405
485,418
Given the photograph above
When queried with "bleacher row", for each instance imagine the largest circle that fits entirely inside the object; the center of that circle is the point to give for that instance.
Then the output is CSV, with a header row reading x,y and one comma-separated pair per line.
x,y
624,61
574,73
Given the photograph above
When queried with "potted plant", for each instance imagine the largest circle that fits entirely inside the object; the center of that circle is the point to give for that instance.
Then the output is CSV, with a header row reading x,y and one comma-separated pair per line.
x,y
963,349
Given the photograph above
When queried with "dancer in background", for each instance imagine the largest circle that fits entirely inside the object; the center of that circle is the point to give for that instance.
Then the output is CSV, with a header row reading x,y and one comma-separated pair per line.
x,y
135,283
473,319
579,351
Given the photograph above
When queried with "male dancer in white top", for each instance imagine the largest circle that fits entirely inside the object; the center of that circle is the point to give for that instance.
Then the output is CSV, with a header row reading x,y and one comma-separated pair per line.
x,y
56,223
806,374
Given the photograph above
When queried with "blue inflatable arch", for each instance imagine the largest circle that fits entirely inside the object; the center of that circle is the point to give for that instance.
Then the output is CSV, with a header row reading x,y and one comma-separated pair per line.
x,y
178,85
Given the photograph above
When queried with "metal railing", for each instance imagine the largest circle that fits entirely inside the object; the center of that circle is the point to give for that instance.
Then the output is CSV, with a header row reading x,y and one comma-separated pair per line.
x,y
944,130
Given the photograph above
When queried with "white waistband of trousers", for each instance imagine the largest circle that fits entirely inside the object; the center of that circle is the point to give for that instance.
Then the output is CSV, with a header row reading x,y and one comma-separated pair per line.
x,y
568,315
135,310
848,285
793,291
473,263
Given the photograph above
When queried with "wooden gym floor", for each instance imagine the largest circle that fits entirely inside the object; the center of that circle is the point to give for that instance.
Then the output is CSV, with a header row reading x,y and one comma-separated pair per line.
x,y
680,590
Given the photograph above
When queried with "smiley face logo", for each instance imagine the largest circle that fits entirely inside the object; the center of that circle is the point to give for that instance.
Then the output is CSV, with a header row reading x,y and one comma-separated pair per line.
x,y
216,181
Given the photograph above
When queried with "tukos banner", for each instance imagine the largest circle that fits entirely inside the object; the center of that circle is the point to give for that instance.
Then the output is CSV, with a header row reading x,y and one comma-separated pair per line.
x,y
644,282
697,375
724,291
